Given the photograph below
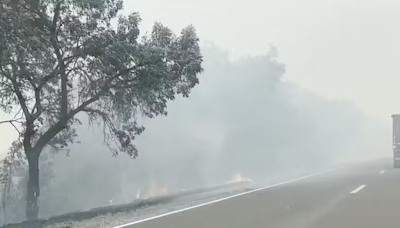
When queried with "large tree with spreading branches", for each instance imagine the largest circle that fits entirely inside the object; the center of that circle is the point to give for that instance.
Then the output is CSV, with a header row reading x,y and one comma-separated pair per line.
x,y
59,58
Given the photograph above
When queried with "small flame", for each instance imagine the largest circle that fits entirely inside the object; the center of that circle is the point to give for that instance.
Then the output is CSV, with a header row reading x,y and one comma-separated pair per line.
x,y
239,178
152,191
138,194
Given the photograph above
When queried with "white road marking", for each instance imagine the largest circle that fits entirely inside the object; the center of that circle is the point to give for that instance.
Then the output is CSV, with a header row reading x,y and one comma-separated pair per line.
x,y
382,171
222,199
357,189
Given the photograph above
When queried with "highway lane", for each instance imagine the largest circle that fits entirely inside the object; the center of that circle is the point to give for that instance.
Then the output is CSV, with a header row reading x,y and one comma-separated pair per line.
x,y
366,196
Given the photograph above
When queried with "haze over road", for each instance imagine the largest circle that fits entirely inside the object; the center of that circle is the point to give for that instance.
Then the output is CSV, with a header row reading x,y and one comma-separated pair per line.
x,y
366,196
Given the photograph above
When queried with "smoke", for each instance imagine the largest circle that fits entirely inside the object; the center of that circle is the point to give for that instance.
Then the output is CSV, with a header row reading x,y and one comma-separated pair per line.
x,y
243,120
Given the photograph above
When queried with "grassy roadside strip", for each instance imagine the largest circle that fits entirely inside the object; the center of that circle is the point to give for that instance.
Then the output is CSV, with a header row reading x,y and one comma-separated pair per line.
x,y
135,205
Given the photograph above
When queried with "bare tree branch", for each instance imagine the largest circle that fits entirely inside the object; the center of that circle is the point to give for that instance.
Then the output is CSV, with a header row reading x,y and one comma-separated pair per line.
x,y
16,114
19,132
48,77
38,105
56,16
62,72
10,121
56,70
15,127
21,99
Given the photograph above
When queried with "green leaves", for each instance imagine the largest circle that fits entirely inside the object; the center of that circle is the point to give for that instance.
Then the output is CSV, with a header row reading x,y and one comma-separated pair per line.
x,y
54,49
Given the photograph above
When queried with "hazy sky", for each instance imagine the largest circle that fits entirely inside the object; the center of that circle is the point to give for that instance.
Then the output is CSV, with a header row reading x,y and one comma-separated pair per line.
x,y
339,48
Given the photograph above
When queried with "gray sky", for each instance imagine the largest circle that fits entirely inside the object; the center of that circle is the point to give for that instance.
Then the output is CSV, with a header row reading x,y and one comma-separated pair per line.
x,y
338,48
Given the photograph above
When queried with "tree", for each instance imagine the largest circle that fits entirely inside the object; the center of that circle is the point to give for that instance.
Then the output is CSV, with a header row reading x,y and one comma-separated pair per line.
x,y
59,58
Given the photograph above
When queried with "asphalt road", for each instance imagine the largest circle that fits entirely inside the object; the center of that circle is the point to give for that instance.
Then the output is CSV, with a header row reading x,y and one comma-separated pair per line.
x,y
365,196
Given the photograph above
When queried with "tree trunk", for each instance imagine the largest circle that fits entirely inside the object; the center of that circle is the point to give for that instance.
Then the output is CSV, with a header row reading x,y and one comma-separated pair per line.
x,y
33,190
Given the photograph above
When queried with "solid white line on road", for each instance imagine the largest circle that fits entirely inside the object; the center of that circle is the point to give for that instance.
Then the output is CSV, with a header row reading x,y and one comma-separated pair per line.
x,y
382,171
357,189
222,199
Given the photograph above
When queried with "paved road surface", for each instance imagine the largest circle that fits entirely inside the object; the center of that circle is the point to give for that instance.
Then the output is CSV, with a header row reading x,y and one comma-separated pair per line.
x,y
366,196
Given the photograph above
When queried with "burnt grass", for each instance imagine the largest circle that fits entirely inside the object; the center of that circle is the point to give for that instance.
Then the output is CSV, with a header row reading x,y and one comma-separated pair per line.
x,y
95,212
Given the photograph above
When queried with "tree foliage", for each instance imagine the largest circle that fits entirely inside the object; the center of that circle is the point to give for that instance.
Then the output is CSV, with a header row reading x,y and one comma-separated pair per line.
x,y
62,57
10,169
